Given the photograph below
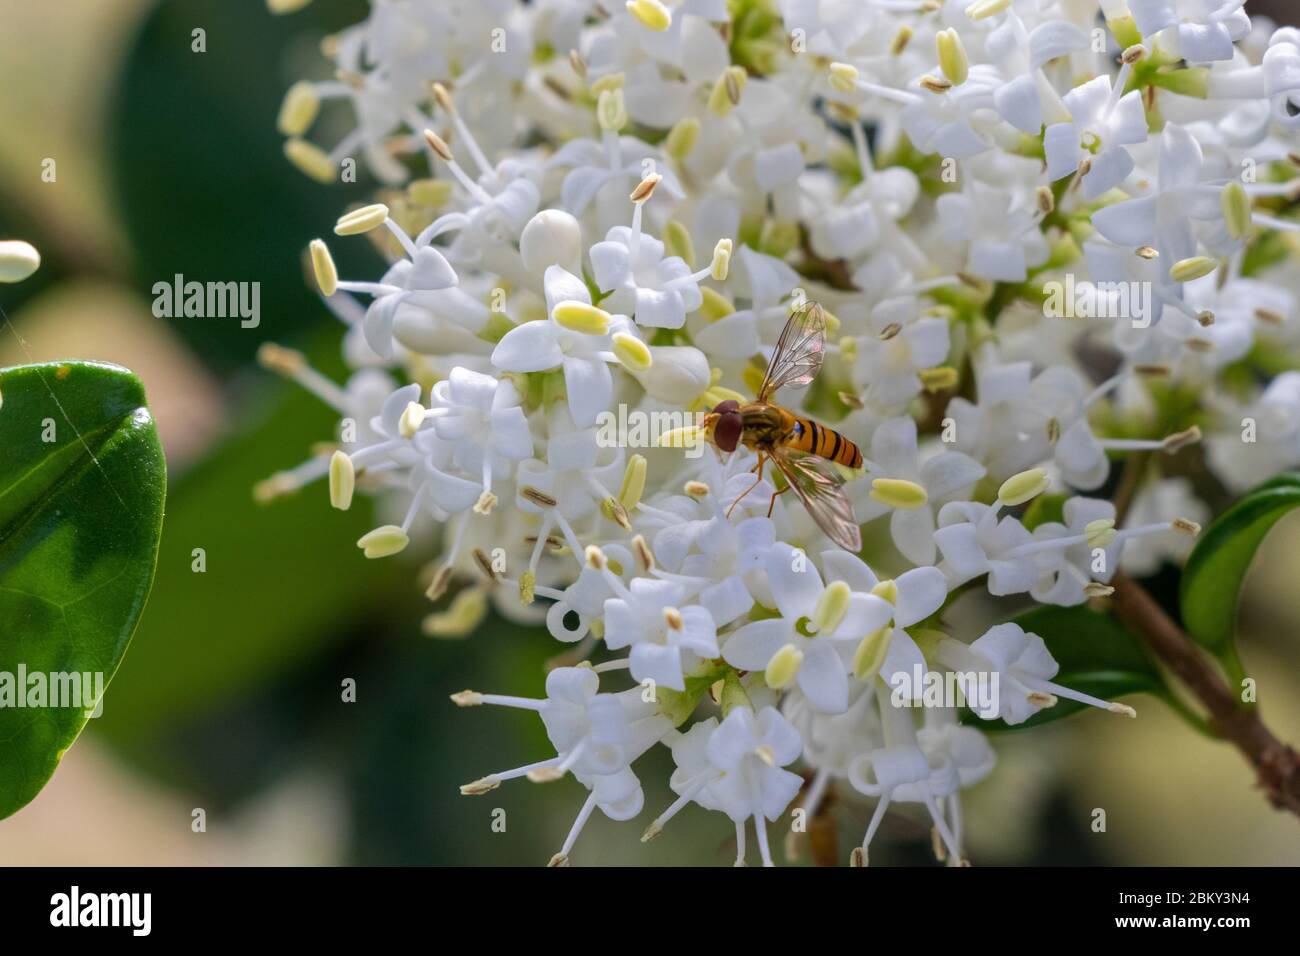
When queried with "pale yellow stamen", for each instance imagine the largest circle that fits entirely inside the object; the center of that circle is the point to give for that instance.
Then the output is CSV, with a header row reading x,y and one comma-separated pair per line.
x,y
386,540
577,316
310,159
899,493
1021,487
361,220
322,265
783,667
870,654
299,109
343,481
651,14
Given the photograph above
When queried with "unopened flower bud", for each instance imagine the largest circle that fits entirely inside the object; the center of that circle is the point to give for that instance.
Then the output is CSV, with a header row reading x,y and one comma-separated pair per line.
x,y
18,260
552,237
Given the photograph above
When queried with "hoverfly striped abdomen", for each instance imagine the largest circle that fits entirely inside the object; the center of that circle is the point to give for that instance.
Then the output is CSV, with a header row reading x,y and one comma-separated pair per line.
x,y
808,436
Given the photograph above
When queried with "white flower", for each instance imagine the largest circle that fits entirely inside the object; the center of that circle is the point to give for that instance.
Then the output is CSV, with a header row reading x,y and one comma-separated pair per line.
x,y
667,638
812,642
1024,668
656,290
596,737
1193,29
583,351
910,490
737,767
1104,119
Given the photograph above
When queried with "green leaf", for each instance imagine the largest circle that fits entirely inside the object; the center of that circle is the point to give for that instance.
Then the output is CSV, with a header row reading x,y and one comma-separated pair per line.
x,y
678,705
1097,654
1212,578
82,483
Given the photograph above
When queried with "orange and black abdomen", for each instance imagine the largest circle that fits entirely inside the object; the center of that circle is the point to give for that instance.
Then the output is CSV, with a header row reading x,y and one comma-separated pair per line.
x,y
808,436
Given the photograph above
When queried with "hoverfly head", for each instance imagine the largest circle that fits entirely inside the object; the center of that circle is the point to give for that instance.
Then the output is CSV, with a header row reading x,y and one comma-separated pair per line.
x,y
727,425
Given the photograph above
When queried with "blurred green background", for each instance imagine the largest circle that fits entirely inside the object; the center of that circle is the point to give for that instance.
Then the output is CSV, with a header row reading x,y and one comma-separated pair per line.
x,y
229,699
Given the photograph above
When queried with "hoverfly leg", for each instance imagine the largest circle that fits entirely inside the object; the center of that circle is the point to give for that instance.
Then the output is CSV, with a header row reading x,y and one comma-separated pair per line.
x,y
757,481
771,505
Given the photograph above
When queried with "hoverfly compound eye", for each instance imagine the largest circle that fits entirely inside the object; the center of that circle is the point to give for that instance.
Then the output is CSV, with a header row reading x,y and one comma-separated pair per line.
x,y
730,405
726,432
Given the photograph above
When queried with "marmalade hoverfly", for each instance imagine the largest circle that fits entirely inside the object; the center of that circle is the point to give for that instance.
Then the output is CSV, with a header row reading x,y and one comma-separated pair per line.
x,y
802,449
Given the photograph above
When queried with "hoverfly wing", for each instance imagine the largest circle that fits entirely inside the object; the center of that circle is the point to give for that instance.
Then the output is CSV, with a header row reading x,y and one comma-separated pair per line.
x,y
799,351
821,489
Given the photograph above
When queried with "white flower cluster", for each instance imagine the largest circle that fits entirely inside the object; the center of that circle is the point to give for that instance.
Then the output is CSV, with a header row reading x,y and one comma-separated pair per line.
x,y
593,204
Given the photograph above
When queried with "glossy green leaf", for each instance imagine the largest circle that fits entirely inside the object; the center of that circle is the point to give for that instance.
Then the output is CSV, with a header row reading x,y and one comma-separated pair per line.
x,y
82,483
1097,654
1218,564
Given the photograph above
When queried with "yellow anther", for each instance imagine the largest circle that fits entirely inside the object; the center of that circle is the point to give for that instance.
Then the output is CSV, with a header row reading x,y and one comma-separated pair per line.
x,y
1235,204
383,541
411,420
611,111
727,91
721,260
939,378
783,667
831,607
1195,267
299,109
343,481
629,495
631,352
322,264
898,493
871,653
843,76
716,305
651,14
429,192
886,590
581,317
1100,533
462,618
361,220
286,6
677,242
682,138
610,81
983,9
952,56
310,159
1021,487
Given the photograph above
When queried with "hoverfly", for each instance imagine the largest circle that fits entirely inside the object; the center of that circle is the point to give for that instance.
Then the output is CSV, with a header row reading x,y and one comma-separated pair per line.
x,y
800,448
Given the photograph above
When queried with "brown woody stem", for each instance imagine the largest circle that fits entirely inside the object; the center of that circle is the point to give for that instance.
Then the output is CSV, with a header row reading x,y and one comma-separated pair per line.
x,y
1276,764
